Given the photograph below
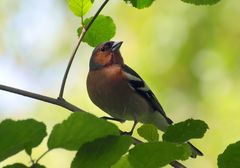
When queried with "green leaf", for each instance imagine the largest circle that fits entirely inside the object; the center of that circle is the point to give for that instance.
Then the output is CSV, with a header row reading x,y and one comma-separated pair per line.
x,y
19,135
157,154
16,165
38,166
122,163
148,132
140,4
102,153
20,165
201,2
78,129
183,131
230,157
80,7
102,29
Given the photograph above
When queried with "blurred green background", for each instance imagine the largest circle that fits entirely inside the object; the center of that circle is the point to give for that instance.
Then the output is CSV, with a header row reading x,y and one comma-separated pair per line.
x,y
188,55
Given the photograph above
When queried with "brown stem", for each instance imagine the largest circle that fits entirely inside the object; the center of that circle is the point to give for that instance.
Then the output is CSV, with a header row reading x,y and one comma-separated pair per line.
x,y
84,31
41,156
67,105
58,102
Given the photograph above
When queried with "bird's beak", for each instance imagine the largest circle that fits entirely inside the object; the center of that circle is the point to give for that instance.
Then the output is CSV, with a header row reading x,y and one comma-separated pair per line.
x,y
116,45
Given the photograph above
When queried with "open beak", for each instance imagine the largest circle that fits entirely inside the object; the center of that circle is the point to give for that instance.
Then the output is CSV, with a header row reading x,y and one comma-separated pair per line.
x,y
116,45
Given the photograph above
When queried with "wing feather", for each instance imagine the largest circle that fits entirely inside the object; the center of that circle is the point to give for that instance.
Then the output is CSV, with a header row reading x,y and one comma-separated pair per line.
x,y
137,83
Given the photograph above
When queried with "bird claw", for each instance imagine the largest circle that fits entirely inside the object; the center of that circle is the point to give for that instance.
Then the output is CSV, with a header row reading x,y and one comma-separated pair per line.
x,y
127,133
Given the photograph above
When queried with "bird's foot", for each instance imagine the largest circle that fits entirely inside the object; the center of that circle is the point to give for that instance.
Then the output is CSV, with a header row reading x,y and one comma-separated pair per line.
x,y
127,133
131,131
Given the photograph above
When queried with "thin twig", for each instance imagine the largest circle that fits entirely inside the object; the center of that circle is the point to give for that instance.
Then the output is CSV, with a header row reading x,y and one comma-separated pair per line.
x,y
31,159
59,102
84,30
42,156
82,19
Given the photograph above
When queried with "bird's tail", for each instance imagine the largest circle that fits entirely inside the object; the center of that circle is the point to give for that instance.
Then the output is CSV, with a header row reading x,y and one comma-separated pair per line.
x,y
195,151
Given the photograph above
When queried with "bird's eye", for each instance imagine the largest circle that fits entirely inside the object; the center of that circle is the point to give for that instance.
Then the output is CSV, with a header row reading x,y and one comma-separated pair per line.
x,y
103,49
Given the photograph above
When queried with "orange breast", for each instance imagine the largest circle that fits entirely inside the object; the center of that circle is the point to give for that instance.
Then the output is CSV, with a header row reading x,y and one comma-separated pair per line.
x,y
112,94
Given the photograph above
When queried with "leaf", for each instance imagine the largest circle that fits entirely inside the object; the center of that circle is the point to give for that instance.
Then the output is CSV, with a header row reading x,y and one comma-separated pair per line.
x,y
78,129
20,165
148,132
201,2
102,153
183,131
19,135
16,165
80,7
38,166
102,29
122,163
157,154
230,157
140,4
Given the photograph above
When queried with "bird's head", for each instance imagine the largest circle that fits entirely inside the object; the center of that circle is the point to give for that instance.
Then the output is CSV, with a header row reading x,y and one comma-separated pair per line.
x,y
106,54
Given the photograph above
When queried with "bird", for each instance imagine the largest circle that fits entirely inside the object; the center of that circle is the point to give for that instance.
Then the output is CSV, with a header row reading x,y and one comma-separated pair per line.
x,y
119,91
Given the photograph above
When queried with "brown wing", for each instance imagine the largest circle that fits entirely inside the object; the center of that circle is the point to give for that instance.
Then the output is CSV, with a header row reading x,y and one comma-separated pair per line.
x,y
137,83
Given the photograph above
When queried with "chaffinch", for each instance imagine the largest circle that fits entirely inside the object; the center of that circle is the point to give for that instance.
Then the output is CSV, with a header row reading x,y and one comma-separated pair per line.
x,y
119,91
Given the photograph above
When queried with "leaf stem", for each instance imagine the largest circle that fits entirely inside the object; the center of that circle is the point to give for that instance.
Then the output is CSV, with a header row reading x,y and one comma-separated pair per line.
x,y
42,156
84,31
82,19
31,159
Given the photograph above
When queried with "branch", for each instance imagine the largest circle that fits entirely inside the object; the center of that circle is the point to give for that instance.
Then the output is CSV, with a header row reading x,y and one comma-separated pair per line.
x,y
58,102
84,31
42,156
66,105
